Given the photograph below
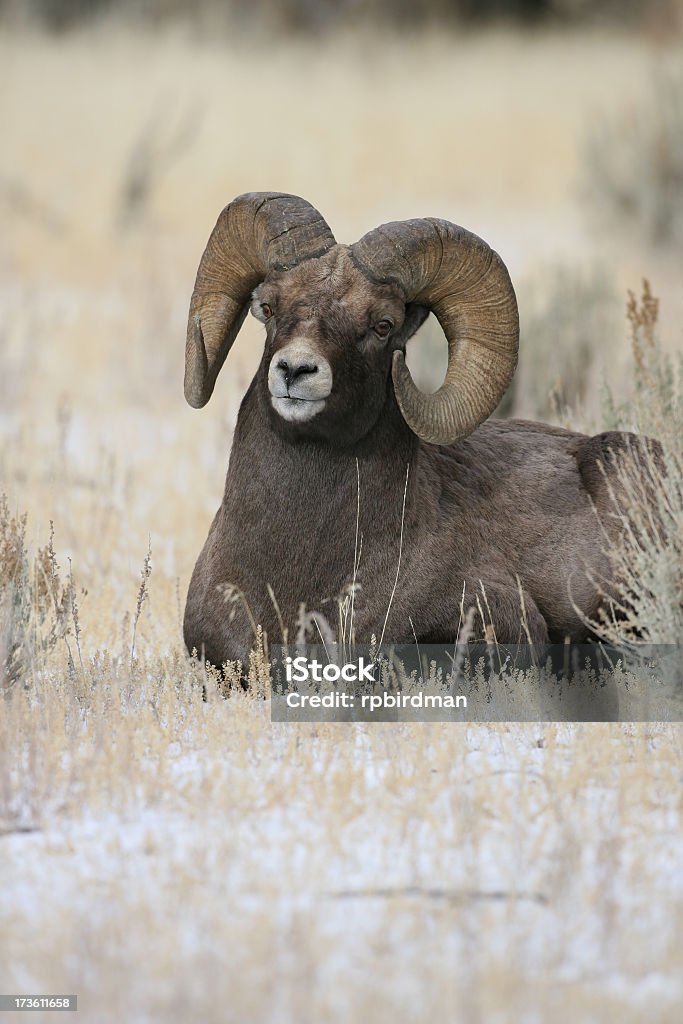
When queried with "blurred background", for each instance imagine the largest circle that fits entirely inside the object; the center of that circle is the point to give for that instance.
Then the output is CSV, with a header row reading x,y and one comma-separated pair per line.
x,y
553,128
324,16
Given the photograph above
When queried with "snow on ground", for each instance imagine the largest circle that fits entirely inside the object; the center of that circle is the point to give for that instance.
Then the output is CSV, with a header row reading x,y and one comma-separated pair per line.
x,y
193,862
425,872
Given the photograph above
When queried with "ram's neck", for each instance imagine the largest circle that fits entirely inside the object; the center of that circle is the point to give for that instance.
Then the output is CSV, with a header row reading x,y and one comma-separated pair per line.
x,y
293,514
265,464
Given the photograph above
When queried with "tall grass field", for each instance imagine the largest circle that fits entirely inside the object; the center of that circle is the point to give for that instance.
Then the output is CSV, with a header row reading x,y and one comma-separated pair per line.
x,y
169,854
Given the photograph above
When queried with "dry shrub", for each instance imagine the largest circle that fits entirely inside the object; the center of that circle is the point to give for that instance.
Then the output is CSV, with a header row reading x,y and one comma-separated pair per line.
x,y
568,324
647,564
35,604
647,492
655,406
634,160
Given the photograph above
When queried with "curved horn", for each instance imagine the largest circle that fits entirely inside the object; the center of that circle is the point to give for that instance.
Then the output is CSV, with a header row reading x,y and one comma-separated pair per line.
x,y
255,233
466,285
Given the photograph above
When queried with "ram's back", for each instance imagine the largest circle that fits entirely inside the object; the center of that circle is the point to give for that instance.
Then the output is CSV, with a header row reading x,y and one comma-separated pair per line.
x,y
539,503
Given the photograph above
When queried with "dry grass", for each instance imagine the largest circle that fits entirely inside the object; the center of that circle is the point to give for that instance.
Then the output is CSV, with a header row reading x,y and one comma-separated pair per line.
x,y
191,861
647,494
174,859
570,328
634,160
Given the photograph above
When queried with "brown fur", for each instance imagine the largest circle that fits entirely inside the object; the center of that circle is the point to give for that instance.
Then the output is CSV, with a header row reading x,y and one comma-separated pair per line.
x,y
505,515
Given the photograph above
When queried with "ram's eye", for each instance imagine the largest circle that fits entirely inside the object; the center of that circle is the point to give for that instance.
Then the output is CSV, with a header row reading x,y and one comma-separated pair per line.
x,y
382,328
266,310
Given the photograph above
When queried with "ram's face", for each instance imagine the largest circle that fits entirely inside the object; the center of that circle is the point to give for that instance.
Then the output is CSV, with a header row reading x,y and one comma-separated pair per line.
x,y
330,335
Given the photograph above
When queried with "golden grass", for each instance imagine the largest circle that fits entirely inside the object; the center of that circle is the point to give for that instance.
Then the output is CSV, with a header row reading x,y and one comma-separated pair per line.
x,y
191,861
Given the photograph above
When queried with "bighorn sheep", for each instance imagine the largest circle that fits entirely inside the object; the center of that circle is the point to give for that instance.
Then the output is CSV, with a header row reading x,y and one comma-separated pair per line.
x,y
338,457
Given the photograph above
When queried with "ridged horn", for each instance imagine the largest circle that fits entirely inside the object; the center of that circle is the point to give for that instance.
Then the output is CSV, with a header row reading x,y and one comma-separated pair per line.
x,y
466,285
255,233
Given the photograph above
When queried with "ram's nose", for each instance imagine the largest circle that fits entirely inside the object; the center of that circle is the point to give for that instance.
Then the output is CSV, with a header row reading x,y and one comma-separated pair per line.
x,y
298,375
294,369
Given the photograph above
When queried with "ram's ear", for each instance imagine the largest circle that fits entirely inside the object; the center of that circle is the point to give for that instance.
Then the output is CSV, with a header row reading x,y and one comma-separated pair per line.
x,y
415,317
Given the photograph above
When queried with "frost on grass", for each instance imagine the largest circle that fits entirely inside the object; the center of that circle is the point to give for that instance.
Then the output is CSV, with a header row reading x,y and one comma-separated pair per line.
x,y
171,852
647,494
184,852
168,852
172,858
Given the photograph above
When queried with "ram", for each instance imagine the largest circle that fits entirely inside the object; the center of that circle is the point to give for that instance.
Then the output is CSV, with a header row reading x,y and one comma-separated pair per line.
x,y
345,478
